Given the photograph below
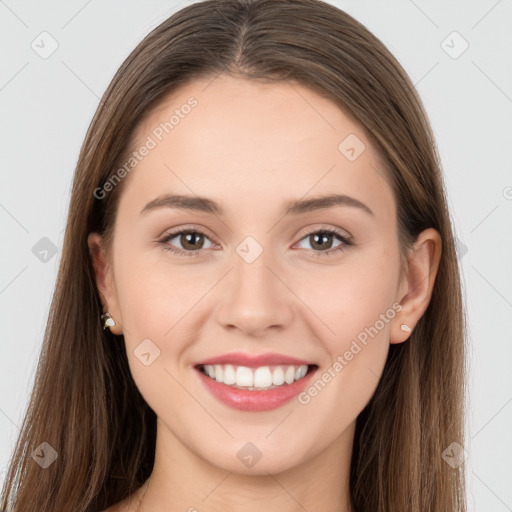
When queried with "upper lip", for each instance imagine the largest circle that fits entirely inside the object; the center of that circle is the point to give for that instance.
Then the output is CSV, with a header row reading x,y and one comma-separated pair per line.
x,y
250,360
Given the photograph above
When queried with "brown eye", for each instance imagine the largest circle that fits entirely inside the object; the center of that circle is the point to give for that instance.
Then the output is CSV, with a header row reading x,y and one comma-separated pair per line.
x,y
191,241
323,241
187,241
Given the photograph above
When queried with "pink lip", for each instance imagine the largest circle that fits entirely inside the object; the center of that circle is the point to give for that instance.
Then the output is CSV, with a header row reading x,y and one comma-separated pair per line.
x,y
251,361
255,400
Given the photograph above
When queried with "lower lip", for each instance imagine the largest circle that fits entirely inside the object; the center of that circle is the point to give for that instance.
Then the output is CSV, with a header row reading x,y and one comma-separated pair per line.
x,y
255,400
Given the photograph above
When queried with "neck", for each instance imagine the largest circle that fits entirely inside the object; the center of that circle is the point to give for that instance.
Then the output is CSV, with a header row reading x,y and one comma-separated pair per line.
x,y
182,481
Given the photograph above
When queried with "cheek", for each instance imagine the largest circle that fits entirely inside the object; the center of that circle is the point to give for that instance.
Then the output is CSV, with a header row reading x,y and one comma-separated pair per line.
x,y
359,312
354,297
162,302
159,298
157,305
338,305
154,294
356,306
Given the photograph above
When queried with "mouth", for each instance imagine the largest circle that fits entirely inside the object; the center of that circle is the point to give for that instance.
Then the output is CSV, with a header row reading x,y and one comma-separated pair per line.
x,y
255,388
254,379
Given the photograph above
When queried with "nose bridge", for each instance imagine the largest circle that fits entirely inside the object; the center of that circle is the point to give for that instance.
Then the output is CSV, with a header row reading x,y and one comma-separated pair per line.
x,y
254,297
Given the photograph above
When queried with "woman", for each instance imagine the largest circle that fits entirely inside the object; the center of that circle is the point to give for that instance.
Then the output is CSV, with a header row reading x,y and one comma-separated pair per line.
x,y
310,355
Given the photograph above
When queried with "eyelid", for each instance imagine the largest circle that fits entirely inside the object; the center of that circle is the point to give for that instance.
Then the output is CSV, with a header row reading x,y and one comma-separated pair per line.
x,y
185,227
308,230
314,228
341,234
169,235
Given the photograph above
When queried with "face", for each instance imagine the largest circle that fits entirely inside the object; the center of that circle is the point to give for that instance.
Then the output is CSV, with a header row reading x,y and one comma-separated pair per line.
x,y
313,287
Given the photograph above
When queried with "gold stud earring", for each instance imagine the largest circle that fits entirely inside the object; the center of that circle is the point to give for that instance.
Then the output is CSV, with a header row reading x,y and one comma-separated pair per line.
x,y
108,321
405,328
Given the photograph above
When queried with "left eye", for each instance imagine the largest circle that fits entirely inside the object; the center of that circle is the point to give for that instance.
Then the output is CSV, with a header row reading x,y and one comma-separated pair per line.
x,y
192,241
189,239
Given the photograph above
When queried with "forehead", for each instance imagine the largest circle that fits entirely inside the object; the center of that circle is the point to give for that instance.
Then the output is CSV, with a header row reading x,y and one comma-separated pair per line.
x,y
228,138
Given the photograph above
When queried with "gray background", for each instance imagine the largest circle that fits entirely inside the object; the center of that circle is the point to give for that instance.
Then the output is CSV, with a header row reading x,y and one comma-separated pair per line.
x,y
47,104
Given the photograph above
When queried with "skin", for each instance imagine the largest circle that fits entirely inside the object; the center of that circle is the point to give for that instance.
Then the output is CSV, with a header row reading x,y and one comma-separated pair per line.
x,y
253,148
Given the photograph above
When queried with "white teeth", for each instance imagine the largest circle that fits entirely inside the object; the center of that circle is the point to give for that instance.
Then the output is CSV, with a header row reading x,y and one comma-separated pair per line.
x,y
300,372
244,376
289,376
278,376
263,377
229,374
219,373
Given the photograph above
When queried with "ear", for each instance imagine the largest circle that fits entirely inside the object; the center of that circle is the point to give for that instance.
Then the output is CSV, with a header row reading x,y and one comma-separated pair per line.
x,y
417,284
104,280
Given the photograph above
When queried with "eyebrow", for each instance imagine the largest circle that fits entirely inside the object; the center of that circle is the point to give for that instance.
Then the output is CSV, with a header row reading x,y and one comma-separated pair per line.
x,y
203,204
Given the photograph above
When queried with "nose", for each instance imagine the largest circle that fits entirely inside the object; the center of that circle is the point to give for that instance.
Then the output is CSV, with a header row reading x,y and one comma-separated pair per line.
x,y
255,298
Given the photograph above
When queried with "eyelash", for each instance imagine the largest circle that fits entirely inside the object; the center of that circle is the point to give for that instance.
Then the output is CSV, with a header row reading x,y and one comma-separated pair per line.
x,y
329,231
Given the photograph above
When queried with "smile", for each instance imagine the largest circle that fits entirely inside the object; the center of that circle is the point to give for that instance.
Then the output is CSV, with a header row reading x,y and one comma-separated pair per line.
x,y
257,389
255,379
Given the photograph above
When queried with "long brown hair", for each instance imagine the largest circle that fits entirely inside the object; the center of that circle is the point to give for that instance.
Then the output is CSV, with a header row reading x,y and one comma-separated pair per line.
x,y
85,404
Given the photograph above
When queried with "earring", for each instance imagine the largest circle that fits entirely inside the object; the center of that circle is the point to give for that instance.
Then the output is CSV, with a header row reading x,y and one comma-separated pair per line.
x,y
405,328
108,321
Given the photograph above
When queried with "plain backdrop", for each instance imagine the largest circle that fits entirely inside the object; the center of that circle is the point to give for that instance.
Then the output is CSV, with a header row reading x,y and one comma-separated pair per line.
x,y
458,56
